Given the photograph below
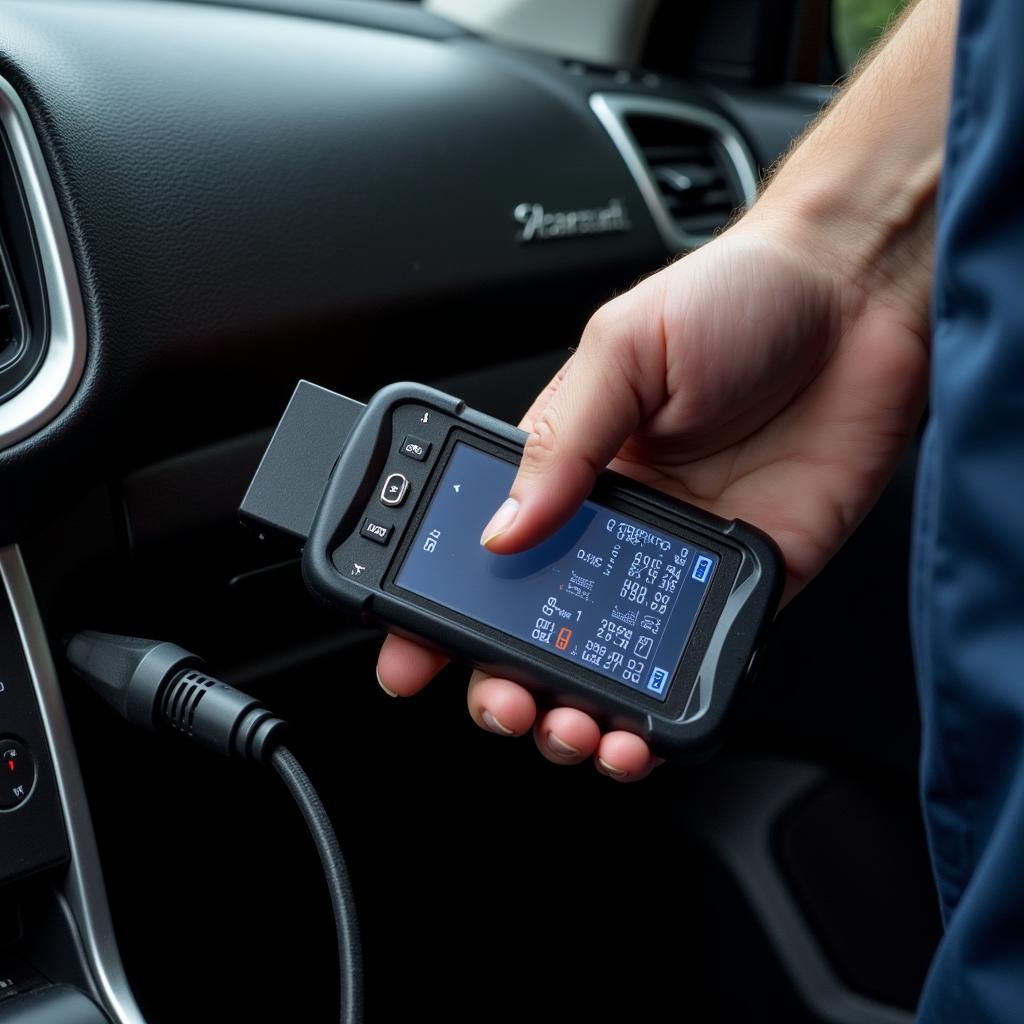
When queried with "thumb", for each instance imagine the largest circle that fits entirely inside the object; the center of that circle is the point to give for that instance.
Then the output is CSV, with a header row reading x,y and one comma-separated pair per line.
x,y
611,384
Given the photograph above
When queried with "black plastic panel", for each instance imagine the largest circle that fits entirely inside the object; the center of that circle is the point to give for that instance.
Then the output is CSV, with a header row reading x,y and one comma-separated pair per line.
x,y
57,1004
855,857
32,832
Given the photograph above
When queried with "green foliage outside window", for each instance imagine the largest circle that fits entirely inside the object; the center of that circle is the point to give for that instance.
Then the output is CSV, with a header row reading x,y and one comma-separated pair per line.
x,y
857,24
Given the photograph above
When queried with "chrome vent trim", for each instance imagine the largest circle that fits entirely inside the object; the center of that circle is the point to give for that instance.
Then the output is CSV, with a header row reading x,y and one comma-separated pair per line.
x,y
60,370
612,110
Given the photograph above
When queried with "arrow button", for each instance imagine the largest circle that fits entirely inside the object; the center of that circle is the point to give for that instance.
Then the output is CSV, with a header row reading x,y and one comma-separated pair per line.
x,y
395,490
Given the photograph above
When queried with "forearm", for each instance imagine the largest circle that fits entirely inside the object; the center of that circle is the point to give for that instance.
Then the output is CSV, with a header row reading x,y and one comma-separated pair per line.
x,y
862,181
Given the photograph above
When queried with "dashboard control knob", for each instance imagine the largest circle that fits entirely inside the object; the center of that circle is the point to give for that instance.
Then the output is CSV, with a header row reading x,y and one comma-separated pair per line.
x,y
17,773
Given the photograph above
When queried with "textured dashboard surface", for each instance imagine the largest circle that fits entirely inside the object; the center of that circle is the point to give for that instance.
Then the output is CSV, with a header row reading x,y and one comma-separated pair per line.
x,y
237,184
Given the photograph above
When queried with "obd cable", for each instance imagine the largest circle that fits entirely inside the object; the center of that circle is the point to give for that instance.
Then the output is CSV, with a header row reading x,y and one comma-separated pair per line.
x,y
162,687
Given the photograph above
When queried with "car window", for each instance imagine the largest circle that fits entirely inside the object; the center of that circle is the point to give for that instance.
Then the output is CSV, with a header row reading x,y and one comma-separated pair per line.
x,y
856,24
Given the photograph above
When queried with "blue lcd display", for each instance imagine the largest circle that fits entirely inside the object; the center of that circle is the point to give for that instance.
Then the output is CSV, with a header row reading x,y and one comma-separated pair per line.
x,y
612,594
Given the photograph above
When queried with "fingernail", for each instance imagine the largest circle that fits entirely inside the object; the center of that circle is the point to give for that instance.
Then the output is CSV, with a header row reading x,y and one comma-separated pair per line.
x,y
610,769
390,693
500,521
558,746
494,725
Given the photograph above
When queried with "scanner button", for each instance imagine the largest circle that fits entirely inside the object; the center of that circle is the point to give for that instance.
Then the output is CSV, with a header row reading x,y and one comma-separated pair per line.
x,y
395,490
377,532
415,447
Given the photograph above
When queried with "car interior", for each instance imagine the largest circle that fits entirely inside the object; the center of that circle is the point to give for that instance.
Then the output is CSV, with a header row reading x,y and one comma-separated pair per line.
x,y
203,202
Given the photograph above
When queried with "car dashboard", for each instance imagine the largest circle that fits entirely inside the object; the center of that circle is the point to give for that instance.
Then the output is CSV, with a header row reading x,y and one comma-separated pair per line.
x,y
202,203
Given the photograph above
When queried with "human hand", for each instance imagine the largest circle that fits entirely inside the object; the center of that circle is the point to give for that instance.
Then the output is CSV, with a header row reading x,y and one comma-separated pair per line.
x,y
762,377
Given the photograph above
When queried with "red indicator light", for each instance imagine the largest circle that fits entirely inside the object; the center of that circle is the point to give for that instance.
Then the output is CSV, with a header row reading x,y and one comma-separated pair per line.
x,y
11,766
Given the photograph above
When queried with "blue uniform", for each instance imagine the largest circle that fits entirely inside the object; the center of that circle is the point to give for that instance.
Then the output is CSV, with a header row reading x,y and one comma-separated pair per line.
x,y
968,571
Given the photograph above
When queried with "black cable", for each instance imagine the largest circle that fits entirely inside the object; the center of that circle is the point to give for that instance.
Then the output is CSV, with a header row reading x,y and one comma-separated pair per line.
x,y
160,685
336,875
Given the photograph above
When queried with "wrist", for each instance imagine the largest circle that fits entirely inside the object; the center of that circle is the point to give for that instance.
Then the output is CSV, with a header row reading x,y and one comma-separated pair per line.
x,y
857,194
874,240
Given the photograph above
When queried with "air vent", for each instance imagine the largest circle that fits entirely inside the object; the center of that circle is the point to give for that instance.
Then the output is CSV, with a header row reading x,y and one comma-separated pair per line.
x,y
42,323
12,317
22,297
690,164
697,180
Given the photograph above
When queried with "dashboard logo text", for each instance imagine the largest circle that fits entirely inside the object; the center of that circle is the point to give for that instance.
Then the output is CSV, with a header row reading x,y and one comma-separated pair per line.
x,y
540,225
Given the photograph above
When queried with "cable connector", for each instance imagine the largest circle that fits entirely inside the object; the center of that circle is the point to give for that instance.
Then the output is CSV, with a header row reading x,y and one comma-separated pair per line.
x,y
160,685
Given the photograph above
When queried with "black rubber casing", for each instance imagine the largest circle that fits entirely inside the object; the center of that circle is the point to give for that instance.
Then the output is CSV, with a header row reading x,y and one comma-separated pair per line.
x,y
355,575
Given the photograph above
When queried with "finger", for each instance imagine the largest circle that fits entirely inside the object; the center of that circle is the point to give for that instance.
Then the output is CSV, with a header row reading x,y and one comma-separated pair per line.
x,y
404,667
566,736
540,403
613,382
624,757
499,705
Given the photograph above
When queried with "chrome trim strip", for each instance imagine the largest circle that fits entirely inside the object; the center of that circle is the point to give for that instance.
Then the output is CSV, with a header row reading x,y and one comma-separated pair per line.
x,y
83,886
61,369
613,108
